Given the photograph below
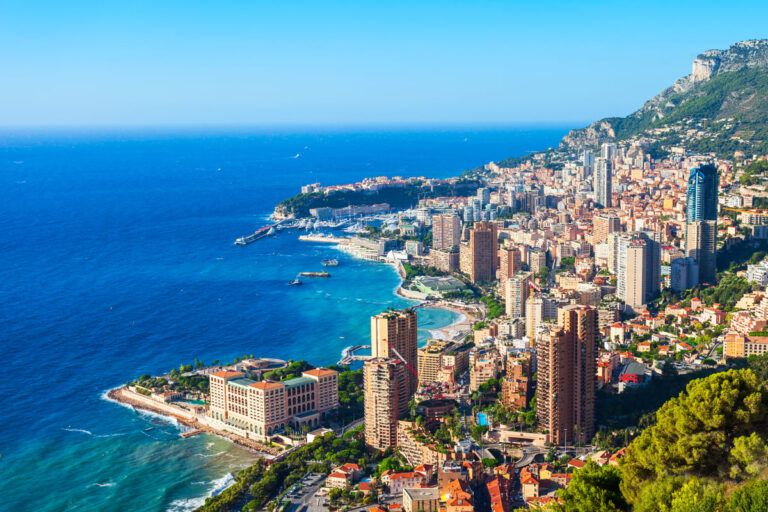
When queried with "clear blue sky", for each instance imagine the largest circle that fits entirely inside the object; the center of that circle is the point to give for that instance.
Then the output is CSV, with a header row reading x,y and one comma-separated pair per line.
x,y
248,62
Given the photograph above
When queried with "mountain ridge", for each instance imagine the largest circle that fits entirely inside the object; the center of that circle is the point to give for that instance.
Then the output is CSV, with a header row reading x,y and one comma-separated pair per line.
x,y
723,85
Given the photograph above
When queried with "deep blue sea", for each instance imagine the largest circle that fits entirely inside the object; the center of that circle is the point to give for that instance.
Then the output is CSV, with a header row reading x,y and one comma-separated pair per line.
x,y
116,259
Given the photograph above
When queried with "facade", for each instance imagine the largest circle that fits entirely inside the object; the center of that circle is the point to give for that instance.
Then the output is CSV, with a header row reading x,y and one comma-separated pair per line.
x,y
517,291
257,410
701,220
393,333
701,245
446,260
631,272
483,252
566,368
446,231
603,224
385,384
684,274
602,182
510,263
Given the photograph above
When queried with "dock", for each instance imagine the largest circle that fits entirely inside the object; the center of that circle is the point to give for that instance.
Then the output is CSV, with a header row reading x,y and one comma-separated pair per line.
x,y
192,433
326,239
348,355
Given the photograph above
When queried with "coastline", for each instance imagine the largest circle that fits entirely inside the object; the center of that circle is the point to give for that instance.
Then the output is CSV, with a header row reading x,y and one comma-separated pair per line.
x,y
467,315
124,396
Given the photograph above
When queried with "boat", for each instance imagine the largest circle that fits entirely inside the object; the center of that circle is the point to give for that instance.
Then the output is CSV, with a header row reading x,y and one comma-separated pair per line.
x,y
333,262
314,274
295,282
256,235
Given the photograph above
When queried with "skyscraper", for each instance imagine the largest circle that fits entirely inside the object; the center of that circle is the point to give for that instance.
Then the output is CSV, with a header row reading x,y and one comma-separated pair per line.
x,y
631,272
567,362
385,386
652,268
588,159
701,220
701,245
510,263
602,182
446,231
701,196
608,151
393,333
483,252
517,289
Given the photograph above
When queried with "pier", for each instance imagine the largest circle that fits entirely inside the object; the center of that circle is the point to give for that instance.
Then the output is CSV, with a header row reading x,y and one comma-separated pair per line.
x,y
348,355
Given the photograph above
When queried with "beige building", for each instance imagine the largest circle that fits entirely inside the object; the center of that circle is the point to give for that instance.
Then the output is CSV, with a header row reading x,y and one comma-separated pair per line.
x,y
603,224
385,384
446,260
257,410
416,452
483,366
421,499
446,231
517,290
566,359
394,334
483,252
510,263
631,273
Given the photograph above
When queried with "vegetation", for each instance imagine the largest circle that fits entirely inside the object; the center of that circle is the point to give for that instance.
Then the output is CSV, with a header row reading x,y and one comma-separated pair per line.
x,y
257,484
397,197
494,308
705,452
350,394
627,409
293,370
727,292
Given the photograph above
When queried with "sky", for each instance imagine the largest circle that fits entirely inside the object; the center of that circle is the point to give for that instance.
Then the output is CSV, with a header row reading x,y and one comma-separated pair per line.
x,y
285,62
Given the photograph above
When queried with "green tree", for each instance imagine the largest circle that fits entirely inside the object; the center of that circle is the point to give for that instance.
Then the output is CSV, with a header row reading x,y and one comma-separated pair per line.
x,y
593,489
695,432
697,495
751,497
748,457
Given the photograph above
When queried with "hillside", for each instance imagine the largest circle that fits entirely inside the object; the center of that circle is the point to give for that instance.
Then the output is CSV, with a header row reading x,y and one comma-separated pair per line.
x,y
722,106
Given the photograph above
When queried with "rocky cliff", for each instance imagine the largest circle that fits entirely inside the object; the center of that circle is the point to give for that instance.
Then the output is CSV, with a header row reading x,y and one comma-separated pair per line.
x,y
743,72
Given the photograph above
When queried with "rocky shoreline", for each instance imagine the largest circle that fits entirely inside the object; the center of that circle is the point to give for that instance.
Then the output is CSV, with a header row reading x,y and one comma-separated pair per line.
x,y
125,396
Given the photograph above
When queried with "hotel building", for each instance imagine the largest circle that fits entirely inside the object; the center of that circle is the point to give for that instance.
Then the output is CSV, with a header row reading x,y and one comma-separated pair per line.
x,y
257,410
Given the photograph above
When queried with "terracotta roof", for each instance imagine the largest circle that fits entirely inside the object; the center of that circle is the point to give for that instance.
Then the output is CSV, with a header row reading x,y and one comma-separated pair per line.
x,y
227,374
338,474
320,372
265,384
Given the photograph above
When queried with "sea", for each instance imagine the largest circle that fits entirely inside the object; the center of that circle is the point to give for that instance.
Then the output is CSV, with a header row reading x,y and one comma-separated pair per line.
x,y
117,259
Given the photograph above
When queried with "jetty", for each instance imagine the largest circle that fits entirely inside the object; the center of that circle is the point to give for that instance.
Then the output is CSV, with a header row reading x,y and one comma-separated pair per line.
x,y
326,239
348,355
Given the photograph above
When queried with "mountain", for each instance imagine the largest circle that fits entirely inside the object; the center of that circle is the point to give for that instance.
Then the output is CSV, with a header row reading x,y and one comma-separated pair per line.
x,y
721,107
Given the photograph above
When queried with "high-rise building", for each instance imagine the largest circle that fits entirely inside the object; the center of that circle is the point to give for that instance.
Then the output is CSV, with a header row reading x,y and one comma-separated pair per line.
x,y
701,195
483,252
652,268
483,195
603,224
588,159
446,231
517,289
510,263
701,245
394,334
566,367
631,272
608,151
602,184
701,220
385,387
684,274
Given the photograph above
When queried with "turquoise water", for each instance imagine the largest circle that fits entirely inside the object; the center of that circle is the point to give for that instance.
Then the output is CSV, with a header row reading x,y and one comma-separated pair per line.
x,y
116,259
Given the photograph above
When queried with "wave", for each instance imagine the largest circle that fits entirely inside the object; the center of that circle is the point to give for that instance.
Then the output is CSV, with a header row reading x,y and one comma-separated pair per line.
x,y
209,455
80,430
189,504
103,484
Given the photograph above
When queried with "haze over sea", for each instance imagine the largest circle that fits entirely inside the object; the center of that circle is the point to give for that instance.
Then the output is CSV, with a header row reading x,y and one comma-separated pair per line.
x,y
116,259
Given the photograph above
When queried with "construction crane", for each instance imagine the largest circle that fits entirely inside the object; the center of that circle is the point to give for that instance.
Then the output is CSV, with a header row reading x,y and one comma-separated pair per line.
x,y
410,368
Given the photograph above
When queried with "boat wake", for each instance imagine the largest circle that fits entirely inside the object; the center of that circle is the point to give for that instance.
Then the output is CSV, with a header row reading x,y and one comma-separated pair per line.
x,y
102,484
80,430
189,504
